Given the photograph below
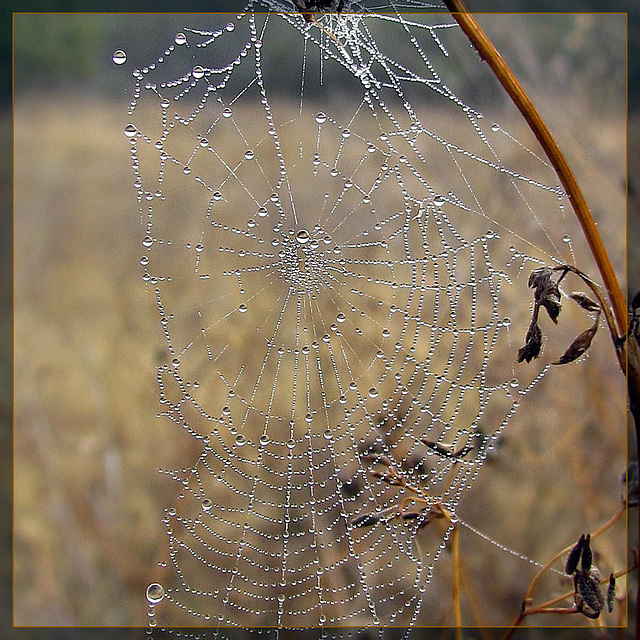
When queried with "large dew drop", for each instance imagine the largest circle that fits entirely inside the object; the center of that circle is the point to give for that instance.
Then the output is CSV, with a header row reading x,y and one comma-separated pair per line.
x,y
119,57
155,593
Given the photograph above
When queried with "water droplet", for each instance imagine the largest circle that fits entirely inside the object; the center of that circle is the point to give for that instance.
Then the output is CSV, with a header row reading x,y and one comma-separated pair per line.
x,y
199,248
321,118
240,440
147,241
373,392
155,593
308,418
230,26
291,443
130,130
119,57
438,201
262,212
302,236
144,261
198,72
506,322
248,155
341,317
217,196
226,113
566,239
495,127
242,308
264,439
281,597
165,104
328,435
206,504
346,133
180,38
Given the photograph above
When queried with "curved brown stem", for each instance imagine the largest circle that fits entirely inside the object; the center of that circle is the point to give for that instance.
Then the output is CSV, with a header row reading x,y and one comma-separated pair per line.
x,y
519,97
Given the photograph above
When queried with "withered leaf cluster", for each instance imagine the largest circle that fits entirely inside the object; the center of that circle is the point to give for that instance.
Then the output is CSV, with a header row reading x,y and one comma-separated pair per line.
x,y
546,294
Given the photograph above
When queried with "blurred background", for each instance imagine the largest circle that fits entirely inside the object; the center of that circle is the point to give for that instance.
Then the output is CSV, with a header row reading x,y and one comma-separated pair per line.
x,y
87,496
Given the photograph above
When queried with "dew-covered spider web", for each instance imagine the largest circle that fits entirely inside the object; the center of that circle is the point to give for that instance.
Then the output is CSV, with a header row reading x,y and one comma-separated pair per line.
x,y
334,279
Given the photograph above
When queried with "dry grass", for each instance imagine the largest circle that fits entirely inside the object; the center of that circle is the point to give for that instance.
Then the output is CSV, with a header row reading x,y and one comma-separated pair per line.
x,y
88,501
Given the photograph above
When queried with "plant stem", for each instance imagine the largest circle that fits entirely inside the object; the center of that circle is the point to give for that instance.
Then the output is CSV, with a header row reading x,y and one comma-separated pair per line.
x,y
519,97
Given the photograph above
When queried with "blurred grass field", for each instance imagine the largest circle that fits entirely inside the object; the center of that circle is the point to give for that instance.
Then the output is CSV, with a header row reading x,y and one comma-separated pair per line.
x,y
88,499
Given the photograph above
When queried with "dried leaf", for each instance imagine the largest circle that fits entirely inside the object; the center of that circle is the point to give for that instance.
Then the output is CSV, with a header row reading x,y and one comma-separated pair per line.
x,y
366,520
611,593
532,345
546,292
578,346
574,556
585,302
410,515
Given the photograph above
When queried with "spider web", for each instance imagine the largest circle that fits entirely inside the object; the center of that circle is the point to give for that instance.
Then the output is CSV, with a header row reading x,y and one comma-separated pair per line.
x,y
333,281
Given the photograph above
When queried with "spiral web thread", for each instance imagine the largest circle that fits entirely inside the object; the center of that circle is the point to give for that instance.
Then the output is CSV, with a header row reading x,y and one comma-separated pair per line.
x,y
333,287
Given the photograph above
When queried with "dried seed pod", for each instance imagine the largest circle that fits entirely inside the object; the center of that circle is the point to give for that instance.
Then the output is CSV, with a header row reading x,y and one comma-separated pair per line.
x,y
587,556
579,345
611,593
366,520
546,292
585,302
588,595
532,344
574,556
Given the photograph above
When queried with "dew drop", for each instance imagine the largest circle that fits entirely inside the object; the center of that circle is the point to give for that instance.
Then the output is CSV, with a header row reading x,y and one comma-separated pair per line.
x,y
438,201
373,392
198,72
206,504
226,113
155,593
566,239
321,118
130,130
495,127
147,241
302,236
119,57
248,155
242,308
165,103
262,212
346,133
180,38
308,418
240,440
328,435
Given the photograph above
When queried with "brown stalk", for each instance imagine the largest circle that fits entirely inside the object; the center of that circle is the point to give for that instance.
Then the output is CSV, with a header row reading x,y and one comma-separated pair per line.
x,y
519,97
507,79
